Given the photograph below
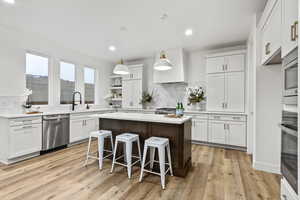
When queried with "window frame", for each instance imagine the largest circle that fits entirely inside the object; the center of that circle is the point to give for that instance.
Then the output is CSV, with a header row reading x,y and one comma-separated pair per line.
x,y
95,71
75,77
35,53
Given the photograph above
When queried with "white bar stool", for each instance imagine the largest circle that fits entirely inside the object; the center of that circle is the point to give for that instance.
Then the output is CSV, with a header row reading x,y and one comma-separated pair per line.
x,y
127,139
161,144
100,135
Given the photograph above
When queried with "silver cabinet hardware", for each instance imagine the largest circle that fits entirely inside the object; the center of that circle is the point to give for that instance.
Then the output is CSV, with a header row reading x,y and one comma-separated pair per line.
x,y
226,67
217,117
267,48
236,118
223,67
296,30
292,32
224,126
284,197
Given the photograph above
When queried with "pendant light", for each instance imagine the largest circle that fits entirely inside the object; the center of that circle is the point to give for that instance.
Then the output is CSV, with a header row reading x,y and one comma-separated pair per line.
x,y
163,64
121,69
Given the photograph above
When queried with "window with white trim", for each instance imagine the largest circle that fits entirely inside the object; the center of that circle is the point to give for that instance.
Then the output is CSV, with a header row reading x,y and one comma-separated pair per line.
x,y
67,82
89,85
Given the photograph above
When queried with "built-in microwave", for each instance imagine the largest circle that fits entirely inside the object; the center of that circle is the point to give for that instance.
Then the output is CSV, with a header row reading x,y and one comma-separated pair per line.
x,y
290,77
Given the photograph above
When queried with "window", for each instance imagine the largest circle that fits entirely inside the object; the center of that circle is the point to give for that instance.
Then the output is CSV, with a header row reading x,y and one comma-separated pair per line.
x,y
89,85
37,78
67,82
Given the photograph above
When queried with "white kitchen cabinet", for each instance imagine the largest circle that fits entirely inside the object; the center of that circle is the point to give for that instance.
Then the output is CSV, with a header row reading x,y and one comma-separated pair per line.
x,y
217,132
286,191
235,63
200,130
226,92
81,126
271,36
24,140
135,72
132,93
289,26
236,134
234,92
178,72
215,65
215,92
228,130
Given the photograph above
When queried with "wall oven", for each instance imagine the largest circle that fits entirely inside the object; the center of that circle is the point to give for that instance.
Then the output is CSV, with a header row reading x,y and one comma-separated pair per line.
x,y
290,77
289,148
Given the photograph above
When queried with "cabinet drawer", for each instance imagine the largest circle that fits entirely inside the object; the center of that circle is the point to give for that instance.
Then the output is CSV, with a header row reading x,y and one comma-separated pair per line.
x,y
240,118
25,121
198,116
24,140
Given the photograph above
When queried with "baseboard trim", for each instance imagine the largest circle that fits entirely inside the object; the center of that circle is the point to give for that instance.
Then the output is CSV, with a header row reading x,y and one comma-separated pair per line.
x,y
262,166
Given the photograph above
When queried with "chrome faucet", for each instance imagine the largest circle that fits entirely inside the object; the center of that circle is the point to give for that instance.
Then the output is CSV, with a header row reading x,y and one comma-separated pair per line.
x,y
73,102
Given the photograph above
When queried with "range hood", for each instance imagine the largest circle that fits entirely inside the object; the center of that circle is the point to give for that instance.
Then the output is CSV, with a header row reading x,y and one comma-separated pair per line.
x,y
178,72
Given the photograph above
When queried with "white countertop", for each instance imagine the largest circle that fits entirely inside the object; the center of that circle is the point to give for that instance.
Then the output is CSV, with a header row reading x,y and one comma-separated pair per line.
x,y
142,117
21,115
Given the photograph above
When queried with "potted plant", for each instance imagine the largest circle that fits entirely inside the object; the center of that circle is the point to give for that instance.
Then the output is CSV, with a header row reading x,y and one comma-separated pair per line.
x,y
196,97
146,99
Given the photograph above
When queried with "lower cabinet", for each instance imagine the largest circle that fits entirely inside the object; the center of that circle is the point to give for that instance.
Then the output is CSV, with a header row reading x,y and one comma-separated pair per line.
x,y
24,140
228,133
220,129
80,128
199,130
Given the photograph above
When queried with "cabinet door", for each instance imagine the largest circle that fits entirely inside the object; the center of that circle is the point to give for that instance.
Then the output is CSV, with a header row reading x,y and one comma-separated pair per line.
x,y
200,130
215,92
215,65
90,125
235,63
77,131
136,96
24,140
217,133
289,19
136,72
235,92
271,34
127,94
236,134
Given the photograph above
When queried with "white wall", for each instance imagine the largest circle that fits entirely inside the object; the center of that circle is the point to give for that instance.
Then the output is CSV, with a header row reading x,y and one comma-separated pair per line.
x,y
266,152
14,45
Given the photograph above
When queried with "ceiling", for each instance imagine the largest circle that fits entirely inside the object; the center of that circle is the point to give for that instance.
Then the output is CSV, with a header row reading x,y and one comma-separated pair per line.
x,y
91,26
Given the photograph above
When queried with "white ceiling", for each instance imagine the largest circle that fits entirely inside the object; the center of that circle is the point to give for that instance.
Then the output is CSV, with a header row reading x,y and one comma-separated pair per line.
x,y
90,26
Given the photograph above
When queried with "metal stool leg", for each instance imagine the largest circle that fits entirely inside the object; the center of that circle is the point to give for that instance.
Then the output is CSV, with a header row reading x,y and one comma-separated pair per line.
x,y
129,157
114,157
162,163
169,159
101,151
143,163
88,152
152,155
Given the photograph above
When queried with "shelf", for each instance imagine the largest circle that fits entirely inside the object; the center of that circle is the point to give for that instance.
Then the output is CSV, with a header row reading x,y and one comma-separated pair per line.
x,y
116,88
115,76
116,99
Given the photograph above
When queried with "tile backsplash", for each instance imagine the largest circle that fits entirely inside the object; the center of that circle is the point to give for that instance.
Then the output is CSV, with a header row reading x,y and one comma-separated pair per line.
x,y
11,104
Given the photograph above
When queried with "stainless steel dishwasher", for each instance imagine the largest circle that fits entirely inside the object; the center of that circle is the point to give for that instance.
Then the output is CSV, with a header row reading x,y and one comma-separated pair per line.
x,y
56,131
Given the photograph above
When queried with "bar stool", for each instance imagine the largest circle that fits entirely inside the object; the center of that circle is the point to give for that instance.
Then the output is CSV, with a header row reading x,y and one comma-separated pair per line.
x,y
127,139
161,144
100,135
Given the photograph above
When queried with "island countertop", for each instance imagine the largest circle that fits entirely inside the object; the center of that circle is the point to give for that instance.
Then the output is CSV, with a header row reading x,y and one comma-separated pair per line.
x,y
143,117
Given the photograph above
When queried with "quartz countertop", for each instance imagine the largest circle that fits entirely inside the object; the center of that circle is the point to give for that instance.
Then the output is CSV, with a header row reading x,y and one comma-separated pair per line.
x,y
142,117
21,115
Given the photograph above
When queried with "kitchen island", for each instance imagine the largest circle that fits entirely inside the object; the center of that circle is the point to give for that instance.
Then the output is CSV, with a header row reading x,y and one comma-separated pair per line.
x,y
177,130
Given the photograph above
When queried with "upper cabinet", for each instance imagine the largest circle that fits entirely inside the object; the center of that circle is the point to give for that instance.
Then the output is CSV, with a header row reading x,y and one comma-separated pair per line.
x,y
289,26
135,72
271,34
226,82
221,64
178,72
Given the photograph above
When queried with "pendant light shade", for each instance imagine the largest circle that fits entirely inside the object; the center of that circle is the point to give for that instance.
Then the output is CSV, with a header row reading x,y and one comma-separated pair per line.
x,y
121,69
163,64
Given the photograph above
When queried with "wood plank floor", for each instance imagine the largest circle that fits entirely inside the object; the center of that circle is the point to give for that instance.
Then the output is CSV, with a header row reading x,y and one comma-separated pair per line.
x,y
216,174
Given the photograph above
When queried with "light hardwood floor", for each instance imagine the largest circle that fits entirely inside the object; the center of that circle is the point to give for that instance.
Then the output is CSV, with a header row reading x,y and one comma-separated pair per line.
x,y
216,174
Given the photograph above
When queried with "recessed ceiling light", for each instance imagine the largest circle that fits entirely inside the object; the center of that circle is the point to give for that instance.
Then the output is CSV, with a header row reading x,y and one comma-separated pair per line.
x,y
112,48
9,1
188,32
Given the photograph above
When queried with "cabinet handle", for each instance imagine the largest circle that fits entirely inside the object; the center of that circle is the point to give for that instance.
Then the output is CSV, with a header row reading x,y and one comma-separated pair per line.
x,y
226,67
267,48
224,126
284,197
228,126
293,32
223,67
296,30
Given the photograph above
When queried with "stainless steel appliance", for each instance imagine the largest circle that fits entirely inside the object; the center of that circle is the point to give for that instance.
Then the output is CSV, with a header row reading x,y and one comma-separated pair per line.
x,y
290,77
56,131
289,148
165,111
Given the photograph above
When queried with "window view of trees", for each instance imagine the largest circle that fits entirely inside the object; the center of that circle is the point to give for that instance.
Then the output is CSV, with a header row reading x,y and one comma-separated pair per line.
x,y
89,85
67,82
37,78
